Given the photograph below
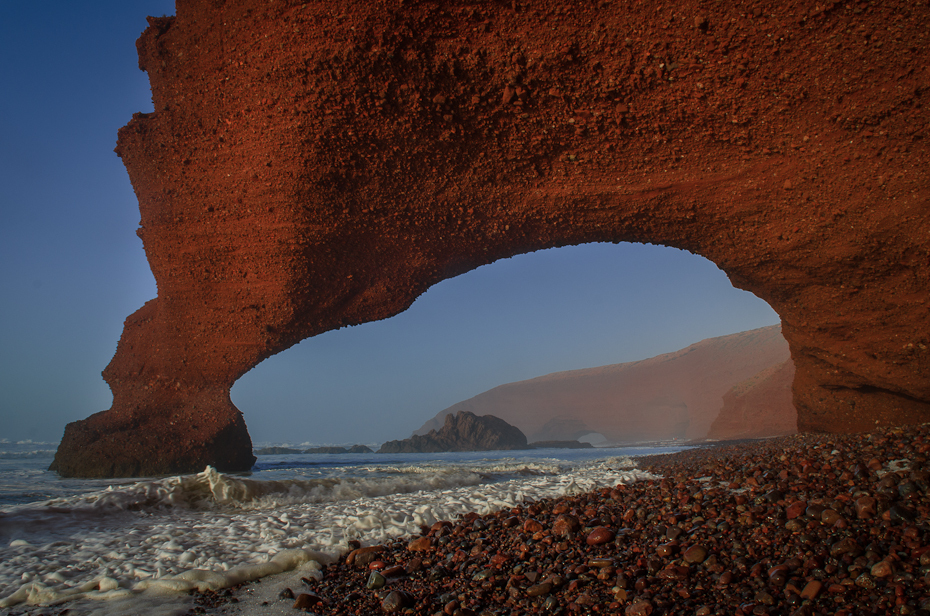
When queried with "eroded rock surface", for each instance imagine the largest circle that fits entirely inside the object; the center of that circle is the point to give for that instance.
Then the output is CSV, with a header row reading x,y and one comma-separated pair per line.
x,y
315,165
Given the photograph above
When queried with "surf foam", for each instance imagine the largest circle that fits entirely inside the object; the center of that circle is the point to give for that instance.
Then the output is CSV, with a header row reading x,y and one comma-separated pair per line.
x,y
211,531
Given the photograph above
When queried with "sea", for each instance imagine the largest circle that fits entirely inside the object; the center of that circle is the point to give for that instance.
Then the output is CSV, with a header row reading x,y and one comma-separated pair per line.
x,y
123,546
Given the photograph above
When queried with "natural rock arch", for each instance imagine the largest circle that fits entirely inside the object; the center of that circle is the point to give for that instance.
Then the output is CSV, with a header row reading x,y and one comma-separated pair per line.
x,y
315,165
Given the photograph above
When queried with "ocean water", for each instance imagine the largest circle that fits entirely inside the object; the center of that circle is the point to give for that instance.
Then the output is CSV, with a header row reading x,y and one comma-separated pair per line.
x,y
123,546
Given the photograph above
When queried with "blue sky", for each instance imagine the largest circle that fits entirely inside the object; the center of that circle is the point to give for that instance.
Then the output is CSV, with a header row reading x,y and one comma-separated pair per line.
x,y
72,269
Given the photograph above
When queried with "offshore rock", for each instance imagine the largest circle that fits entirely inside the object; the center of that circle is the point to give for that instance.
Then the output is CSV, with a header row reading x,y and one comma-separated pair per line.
x,y
314,165
463,431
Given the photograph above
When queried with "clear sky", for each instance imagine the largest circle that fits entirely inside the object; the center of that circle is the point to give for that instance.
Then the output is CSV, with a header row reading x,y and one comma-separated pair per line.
x,y
72,269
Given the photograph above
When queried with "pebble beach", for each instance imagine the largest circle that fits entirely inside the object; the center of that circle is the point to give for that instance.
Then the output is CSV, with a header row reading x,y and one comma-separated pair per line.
x,y
802,525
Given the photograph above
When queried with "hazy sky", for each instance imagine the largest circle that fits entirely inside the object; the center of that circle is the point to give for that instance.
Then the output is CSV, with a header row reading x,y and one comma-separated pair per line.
x,y
72,269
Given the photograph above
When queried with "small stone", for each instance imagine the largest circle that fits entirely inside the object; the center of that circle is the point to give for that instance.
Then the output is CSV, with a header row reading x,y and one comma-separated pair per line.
x,y
811,590
420,544
600,536
881,569
532,526
865,581
539,590
764,598
666,550
307,601
413,565
845,546
639,608
367,554
695,555
899,513
285,594
395,601
395,571
509,94
565,524
600,563
795,509
830,517
375,581
794,526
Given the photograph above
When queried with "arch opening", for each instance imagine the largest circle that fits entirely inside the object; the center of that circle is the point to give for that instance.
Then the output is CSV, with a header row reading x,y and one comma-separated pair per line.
x,y
555,310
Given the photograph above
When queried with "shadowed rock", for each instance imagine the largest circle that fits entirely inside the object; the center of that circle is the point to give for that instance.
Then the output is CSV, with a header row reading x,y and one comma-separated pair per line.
x,y
463,431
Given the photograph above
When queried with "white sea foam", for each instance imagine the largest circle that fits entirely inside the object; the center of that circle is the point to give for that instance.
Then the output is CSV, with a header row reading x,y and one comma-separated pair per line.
x,y
210,531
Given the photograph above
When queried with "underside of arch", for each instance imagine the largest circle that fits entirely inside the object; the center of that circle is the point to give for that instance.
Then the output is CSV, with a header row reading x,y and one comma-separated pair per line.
x,y
315,165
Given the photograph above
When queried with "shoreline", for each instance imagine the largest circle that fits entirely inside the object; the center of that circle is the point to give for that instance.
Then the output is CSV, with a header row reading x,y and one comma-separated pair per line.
x,y
803,524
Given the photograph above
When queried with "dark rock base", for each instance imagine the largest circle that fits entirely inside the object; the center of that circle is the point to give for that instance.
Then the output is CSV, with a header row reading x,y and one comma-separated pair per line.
x,y
110,445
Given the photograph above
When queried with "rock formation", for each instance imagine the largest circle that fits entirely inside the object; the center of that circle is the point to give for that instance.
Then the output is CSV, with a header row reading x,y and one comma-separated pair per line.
x,y
759,406
462,431
315,165
672,396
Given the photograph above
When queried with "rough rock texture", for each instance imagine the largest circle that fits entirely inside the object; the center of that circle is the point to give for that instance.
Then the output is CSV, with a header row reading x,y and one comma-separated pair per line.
x,y
314,165
463,431
671,396
759,406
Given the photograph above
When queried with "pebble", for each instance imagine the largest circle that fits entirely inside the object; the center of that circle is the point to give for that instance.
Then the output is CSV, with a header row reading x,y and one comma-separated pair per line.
x,y
307,601
811,590
639,608
774,547
420,544
694,555
565,525
881,569
865,507
532,526
600,536
539,589
375,581
395,601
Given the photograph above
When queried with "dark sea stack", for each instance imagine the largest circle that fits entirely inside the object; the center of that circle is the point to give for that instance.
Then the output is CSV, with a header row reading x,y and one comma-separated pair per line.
x,y
309,166
463,431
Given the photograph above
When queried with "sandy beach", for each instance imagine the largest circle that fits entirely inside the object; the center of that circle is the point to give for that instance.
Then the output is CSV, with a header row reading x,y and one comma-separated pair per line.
x,y
801,525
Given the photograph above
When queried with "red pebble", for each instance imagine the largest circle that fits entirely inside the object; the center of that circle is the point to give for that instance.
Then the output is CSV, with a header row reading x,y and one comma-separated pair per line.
x,y
600,535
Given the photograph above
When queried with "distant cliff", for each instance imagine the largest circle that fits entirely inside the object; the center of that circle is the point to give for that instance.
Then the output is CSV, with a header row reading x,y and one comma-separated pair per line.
x,y
759,406
676,395
462,431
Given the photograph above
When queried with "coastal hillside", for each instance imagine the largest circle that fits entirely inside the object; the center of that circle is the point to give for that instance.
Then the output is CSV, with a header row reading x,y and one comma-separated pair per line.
x,y
715,383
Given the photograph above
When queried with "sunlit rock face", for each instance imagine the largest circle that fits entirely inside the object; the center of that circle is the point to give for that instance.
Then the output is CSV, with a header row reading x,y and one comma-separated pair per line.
x,y
315,165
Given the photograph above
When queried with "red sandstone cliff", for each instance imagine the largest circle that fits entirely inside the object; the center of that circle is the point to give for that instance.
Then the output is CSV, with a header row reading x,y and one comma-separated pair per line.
x,y
759,406
311,165
676,395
